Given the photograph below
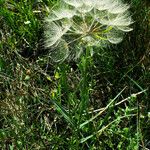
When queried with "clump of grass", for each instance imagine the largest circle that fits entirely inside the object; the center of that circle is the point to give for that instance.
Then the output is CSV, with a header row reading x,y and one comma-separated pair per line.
x,y
44,105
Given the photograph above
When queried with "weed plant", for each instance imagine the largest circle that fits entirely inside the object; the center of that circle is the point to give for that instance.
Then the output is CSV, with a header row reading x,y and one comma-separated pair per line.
x,y
96,103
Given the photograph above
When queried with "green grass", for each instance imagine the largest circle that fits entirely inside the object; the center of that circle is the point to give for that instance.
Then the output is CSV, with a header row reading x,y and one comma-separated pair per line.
x,y
97,103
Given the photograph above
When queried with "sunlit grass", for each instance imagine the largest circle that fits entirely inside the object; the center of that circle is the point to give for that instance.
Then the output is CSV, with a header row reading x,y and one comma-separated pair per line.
x,y
72,105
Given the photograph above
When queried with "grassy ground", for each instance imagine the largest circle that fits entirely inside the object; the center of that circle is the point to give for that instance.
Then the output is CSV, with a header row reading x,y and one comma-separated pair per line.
x,y
57,106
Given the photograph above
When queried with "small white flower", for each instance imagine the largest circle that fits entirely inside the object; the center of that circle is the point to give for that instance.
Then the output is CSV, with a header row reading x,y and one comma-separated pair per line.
x,y
87,6
121,21
81,23
104,4
148,115
118,20
125,28
53,34
27,22
89,2
60,52
118,8
60,13
64,13
74,3
115,36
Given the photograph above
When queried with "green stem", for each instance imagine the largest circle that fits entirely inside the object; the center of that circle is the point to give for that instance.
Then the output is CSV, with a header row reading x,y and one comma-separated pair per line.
x,y
84,91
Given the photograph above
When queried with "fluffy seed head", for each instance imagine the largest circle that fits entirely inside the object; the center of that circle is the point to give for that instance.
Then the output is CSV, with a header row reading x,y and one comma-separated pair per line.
x,y
82,23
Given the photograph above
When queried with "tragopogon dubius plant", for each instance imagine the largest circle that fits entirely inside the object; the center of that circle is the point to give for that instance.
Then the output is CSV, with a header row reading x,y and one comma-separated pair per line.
x,y
77,24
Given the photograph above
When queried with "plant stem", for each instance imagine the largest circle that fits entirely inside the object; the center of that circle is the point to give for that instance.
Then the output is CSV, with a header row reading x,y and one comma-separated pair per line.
x,y
84,85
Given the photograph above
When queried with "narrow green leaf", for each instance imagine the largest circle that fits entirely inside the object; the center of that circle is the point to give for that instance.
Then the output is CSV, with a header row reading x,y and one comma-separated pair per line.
x,y
98,114
63,112
137,85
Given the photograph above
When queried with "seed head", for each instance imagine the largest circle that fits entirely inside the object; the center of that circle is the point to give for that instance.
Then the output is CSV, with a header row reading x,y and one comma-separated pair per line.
x,y
80,23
